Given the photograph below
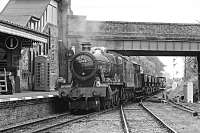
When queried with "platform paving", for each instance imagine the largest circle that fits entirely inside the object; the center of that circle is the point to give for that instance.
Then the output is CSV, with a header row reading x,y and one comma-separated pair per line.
x,y
27,95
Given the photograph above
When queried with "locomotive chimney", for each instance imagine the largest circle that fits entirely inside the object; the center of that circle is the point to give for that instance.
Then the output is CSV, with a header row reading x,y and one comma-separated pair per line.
x,y
86,46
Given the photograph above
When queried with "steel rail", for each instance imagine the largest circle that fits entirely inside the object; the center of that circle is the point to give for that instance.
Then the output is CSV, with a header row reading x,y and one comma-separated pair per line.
x,y
72,120
124,121
184,108
171,130
15,127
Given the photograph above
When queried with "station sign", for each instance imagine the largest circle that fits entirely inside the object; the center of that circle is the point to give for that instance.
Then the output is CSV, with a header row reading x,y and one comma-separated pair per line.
x,y
27,43
11,42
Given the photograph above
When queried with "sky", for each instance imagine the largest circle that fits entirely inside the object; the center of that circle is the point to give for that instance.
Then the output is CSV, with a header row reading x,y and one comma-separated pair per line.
x,y
174,66
166,11
173,11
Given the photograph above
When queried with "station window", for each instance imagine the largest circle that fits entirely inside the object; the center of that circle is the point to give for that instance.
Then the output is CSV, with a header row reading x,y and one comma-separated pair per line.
x,y
47,48
38,25
52,13
40,50
32,25
54,16
49,15
28,24
49,44
45,15
44,52
49,12
42,24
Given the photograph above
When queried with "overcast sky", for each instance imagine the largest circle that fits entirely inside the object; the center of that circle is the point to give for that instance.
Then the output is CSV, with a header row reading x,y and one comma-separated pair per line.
x,y
167,11
175,11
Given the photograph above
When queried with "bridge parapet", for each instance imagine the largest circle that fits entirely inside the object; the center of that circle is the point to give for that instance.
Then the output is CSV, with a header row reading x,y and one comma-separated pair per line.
x,y
133,30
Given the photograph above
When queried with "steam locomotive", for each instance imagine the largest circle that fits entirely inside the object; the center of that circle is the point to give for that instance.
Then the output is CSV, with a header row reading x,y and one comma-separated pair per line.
x,y
101,79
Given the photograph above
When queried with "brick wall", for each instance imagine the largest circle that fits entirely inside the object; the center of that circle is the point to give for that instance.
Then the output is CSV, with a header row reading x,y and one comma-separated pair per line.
x,y
53,53
80,27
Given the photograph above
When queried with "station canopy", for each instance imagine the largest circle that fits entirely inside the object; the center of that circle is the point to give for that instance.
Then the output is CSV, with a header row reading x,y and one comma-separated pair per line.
x,y
16,30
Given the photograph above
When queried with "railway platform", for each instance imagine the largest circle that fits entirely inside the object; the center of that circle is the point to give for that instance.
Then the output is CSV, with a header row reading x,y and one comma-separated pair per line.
x,y
29,105
27,95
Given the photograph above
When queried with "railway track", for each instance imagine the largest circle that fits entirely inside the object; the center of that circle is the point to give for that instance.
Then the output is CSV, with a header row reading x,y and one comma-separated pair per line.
x,y
174,104
183,107
50,123
25,126
138,118
133,118
70,121
177,118
108,122
171,130
124,121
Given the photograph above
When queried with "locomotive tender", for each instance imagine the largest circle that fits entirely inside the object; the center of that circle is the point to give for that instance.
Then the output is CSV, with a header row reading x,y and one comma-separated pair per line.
x,y
100,79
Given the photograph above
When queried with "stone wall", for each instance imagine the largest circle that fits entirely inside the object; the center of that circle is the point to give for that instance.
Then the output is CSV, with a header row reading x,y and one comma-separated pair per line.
x,y
13,112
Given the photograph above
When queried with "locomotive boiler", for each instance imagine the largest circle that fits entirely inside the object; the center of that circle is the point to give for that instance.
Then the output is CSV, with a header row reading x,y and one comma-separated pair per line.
x,y
100,79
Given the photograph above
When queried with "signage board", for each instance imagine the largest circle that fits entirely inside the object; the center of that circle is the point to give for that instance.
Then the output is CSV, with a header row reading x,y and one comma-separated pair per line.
x,y
11,42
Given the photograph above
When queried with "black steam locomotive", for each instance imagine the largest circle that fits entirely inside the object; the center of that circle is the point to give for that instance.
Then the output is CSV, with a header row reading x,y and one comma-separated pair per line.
x,y
101,79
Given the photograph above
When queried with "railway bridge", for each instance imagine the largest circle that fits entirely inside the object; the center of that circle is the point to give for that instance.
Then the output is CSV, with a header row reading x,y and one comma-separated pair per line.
x,y
135,38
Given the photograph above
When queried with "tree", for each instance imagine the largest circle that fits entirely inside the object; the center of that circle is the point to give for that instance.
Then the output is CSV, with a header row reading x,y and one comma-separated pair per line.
x,y
191,68
191,74
150,64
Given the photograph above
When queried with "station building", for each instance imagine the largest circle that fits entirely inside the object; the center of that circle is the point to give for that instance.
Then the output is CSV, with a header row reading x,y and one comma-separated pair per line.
x,y
37,67
14,39
43,62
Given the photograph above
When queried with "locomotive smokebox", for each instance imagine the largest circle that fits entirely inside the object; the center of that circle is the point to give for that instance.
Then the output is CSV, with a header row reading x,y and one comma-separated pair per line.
x,y
86,46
